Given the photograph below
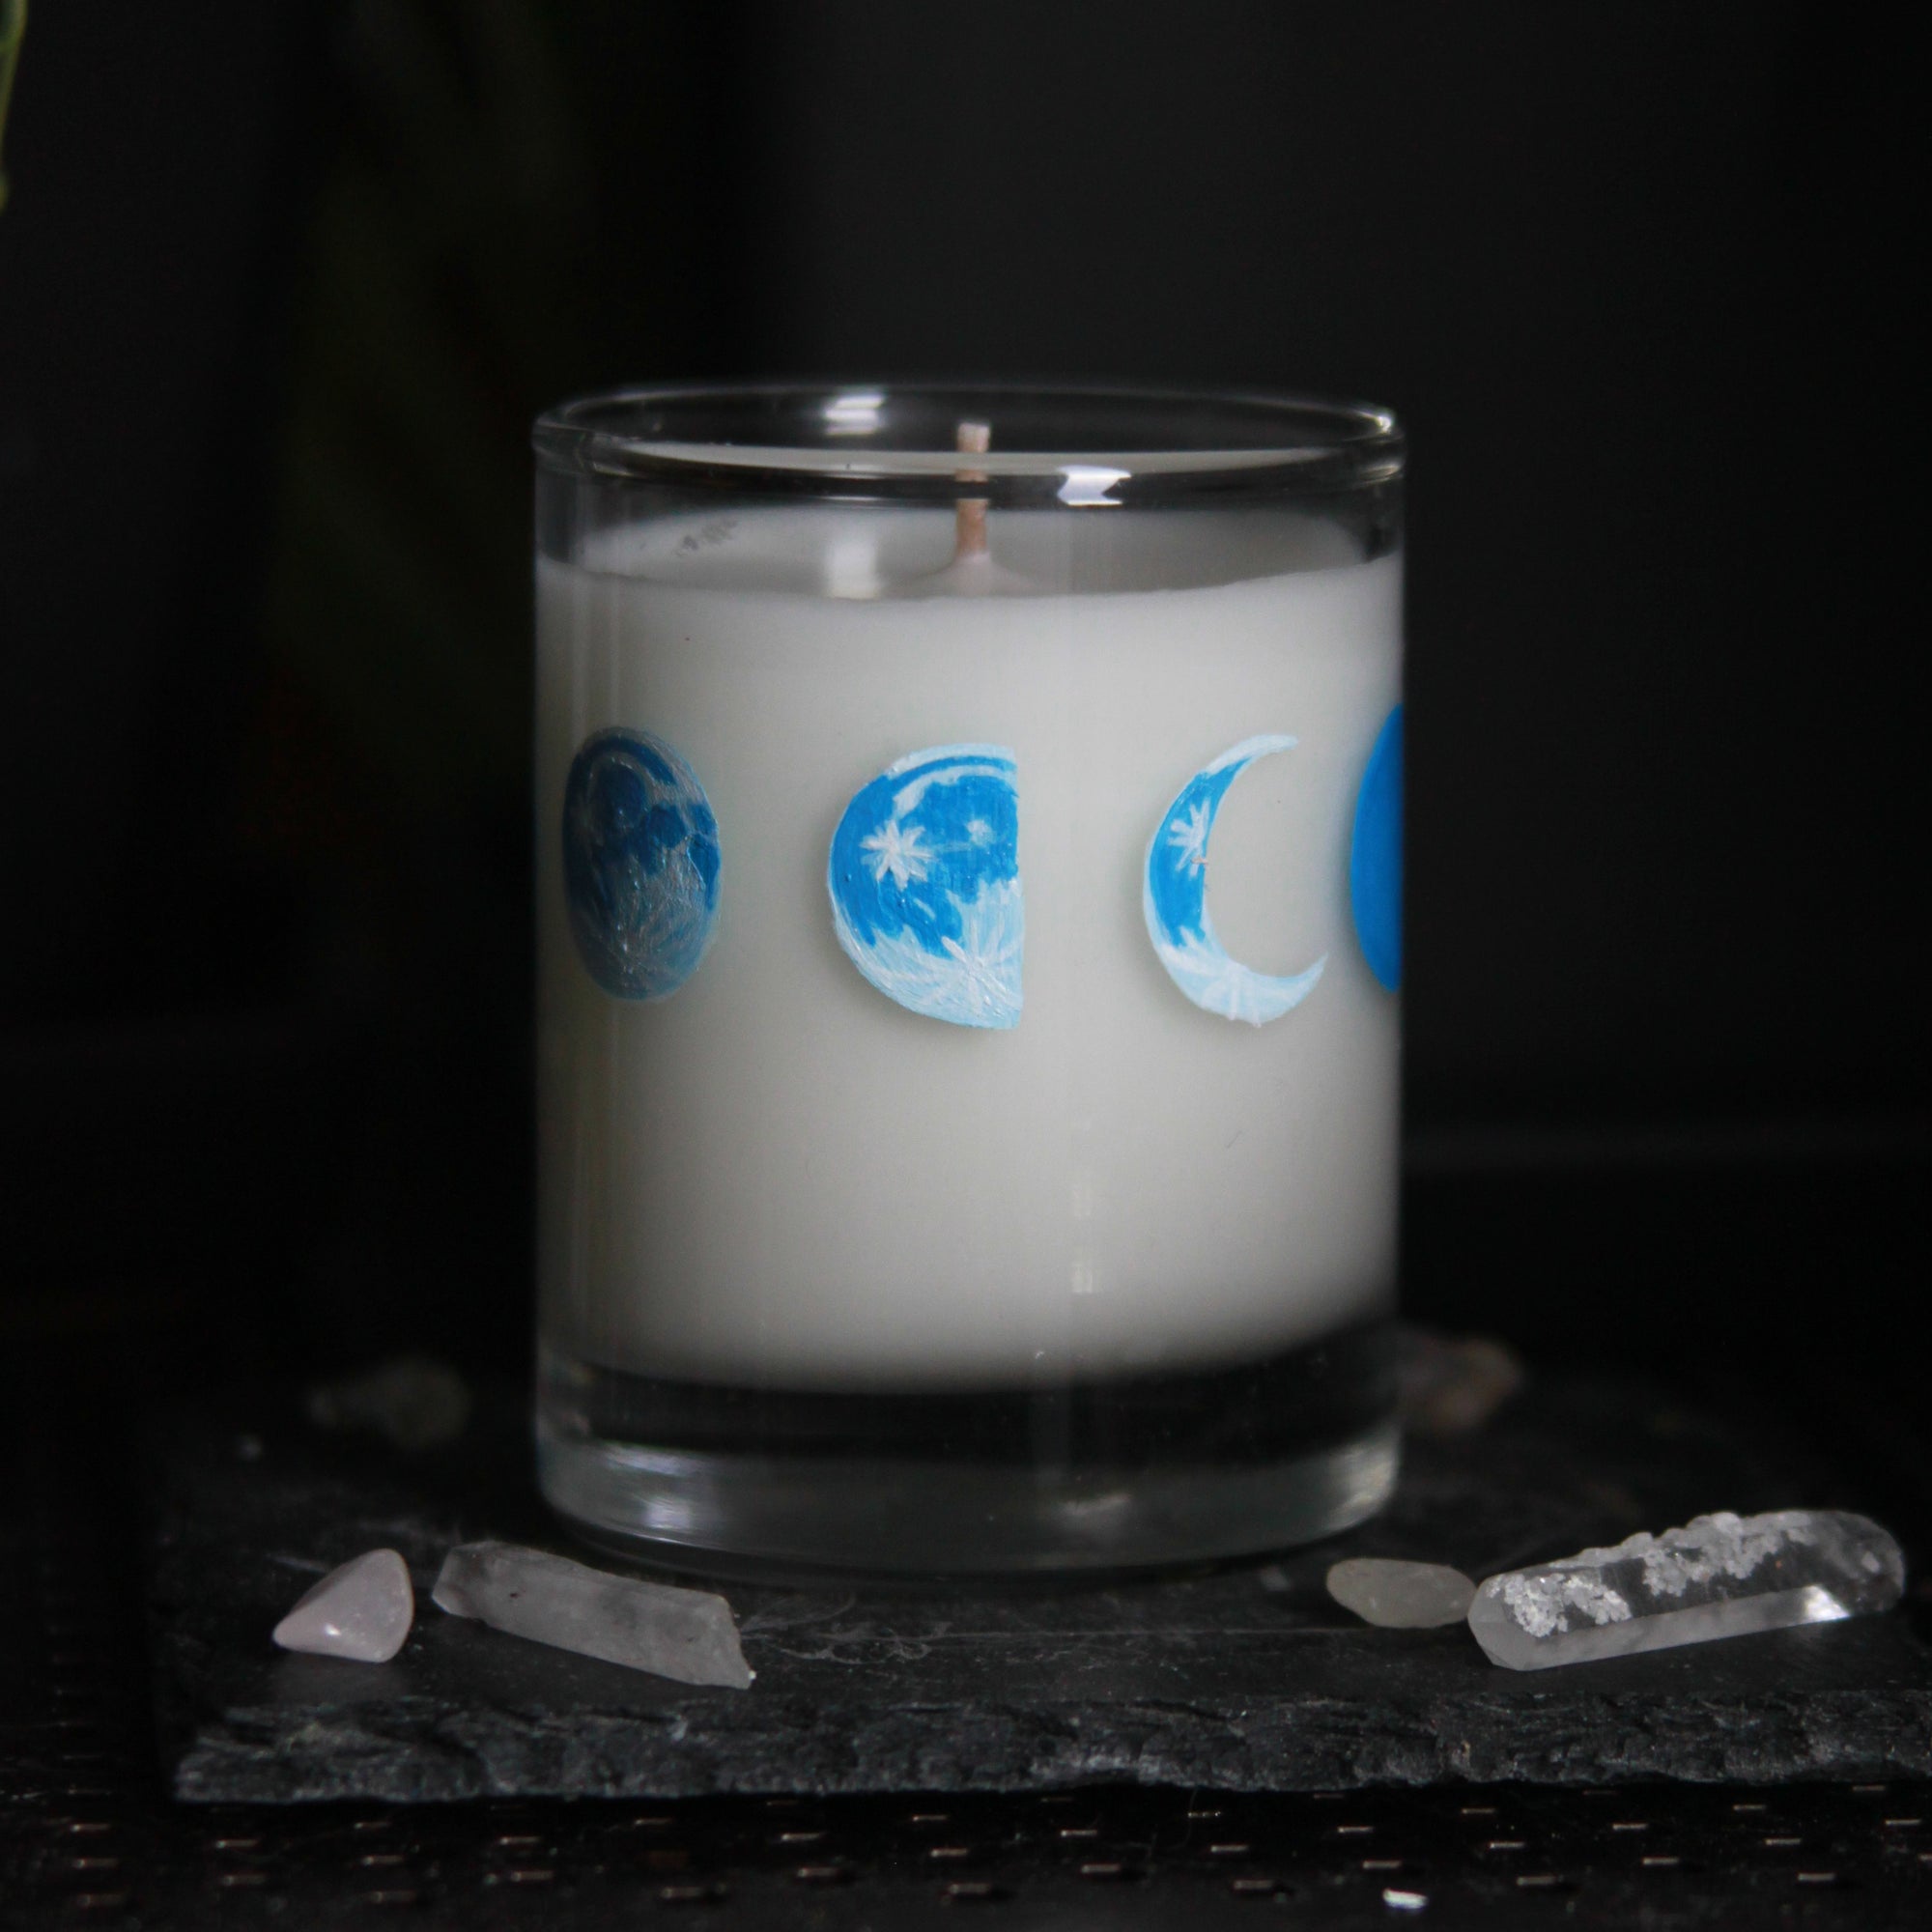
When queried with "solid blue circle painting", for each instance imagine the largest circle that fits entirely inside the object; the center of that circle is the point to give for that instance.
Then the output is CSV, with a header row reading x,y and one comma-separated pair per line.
x,y
1375,857
923,875
640,864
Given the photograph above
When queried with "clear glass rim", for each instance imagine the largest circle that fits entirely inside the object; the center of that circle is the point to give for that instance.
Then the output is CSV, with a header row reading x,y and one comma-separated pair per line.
x,y
1048,441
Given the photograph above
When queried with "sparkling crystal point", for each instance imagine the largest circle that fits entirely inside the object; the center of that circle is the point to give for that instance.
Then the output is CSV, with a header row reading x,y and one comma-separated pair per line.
x,y
363,1610
1719,1575
1400,1596
687,1634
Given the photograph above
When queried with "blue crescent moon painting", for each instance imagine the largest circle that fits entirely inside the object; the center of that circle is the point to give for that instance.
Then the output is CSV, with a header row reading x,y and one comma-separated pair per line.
x,y
639,864
926,886
1174,900
1375,857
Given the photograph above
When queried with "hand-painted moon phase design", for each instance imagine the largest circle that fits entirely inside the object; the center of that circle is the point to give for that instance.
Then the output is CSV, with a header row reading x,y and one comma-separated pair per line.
x,y
639,864
926,886
1375,856
1175,900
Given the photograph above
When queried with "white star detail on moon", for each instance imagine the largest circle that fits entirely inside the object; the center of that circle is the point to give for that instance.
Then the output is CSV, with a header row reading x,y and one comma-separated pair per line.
x,y
923,875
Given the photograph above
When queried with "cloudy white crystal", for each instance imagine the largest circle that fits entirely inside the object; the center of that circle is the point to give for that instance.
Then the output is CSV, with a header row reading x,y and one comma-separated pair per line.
x,y
690,1636
362,1610
1719,1575
1539,1603
1400,1596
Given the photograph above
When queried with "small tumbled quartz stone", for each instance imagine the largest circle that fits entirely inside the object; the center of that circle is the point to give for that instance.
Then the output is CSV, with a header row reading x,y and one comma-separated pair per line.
x,y
362,1611
687,1634
1719,1575
1400,1596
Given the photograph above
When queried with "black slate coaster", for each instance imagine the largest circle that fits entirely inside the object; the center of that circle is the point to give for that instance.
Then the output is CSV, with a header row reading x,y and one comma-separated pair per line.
x,y
1250,1679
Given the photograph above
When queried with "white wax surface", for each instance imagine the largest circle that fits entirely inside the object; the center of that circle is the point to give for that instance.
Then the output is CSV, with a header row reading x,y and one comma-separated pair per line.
x,y
776,1175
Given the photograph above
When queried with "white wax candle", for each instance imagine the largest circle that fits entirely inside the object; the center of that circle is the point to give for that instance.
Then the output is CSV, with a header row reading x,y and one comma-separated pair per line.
x,y
775,1175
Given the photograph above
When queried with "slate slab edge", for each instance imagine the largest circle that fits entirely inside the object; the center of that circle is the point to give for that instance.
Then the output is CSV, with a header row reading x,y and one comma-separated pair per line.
x,y
397,1755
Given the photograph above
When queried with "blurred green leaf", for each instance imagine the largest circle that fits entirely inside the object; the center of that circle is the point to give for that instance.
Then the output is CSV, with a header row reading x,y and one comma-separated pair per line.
x,y
430,330
13,30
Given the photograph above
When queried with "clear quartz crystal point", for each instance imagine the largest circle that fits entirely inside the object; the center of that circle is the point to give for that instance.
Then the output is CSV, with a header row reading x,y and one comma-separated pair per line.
x,y
363,1610
687,1634
1719,1575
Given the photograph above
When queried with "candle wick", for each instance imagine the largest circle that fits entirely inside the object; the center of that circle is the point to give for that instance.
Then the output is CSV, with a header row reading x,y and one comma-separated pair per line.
x,y
969,516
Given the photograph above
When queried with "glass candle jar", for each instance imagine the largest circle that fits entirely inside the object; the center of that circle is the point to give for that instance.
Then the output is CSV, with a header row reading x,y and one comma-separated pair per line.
x,y
968,903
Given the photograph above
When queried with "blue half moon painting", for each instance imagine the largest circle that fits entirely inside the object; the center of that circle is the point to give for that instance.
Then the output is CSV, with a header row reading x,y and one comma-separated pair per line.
x,y
1375,856
1174,900
639,864
925,884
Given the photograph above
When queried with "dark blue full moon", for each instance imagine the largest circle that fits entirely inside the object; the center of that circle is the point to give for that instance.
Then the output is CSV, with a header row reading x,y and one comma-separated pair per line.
x,y
640,864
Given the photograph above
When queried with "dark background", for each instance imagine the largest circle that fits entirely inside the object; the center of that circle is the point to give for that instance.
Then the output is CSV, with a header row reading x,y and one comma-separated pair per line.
x,y
282,284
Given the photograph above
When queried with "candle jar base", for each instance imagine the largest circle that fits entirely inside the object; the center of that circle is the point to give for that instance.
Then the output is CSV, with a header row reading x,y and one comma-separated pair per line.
x,y
1076,1480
